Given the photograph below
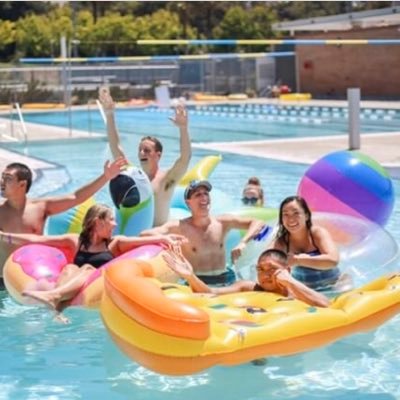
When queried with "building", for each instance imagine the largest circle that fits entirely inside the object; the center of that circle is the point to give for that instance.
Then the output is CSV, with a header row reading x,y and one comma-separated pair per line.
x,y
326,71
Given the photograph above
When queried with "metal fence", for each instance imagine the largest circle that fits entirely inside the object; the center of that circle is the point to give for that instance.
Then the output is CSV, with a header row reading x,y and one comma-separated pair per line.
x,y
78,83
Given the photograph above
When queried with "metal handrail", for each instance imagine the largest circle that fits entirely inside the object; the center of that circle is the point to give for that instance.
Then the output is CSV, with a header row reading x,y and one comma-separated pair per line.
x,y
22,122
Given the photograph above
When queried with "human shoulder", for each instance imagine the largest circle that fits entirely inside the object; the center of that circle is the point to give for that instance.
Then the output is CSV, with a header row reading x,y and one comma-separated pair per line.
x,y
319,232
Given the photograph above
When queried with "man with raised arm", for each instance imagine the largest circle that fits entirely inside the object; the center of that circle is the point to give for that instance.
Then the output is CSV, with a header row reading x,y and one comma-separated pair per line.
x,y
273,275
206,235
19,214
149,154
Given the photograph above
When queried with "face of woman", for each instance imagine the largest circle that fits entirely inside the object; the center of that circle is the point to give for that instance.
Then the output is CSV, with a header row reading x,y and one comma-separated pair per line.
x,y
106,226
293,216
251,197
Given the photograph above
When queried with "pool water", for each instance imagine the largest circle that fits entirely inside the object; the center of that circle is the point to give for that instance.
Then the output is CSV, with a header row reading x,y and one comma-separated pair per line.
x,y
209,123
44,360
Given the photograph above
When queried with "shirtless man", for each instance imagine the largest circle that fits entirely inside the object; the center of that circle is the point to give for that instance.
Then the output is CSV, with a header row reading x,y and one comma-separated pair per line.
x,y
19,214
149,154
205,248
273,275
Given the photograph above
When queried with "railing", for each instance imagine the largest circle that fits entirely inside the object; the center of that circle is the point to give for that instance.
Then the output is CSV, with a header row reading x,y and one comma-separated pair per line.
x,y
15,135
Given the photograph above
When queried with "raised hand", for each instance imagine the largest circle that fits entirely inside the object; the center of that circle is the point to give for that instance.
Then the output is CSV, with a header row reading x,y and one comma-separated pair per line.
x,y
112,169
180,118
105,99
178,263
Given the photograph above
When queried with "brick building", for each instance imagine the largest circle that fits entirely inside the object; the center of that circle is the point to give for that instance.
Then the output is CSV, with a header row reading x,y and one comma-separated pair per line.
x,y
326,71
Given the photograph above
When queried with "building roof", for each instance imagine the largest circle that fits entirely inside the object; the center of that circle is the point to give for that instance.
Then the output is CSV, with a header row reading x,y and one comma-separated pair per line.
x,y
342,22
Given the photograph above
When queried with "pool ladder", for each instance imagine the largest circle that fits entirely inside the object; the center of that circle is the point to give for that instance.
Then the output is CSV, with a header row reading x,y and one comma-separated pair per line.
x,y
14,135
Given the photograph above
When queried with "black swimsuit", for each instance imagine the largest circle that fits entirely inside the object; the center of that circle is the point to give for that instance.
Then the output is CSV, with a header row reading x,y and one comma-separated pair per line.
x,y
95,259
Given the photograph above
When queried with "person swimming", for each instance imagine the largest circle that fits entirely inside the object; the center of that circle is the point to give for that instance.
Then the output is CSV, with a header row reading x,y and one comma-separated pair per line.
x,y
253,193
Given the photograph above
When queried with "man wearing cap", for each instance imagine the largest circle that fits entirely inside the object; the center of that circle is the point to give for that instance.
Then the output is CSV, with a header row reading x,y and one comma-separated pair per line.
x,y
206,234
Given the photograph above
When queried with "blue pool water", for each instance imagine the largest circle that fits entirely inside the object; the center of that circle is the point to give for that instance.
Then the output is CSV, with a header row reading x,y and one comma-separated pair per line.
x,y
43,360
209,123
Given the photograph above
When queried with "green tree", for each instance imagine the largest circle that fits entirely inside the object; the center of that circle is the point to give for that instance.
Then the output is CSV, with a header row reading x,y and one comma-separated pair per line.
x,y
7,33
240,23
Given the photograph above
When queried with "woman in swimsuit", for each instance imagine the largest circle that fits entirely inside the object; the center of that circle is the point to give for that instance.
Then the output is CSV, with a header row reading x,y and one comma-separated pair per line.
x,y
313,255
91,249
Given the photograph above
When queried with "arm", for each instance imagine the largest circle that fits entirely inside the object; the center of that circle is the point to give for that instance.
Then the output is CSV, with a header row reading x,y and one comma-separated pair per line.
x,y
56,205
122,244
300,291
176,172
329,257
112,133
20,239
180,265
168,228
252,225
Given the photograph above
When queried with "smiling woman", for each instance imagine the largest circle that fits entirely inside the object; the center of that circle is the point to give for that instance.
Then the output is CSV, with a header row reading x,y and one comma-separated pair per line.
x,y
313,255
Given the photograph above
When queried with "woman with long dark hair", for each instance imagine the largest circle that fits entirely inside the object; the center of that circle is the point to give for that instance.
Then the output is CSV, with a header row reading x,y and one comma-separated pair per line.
x,y
313,255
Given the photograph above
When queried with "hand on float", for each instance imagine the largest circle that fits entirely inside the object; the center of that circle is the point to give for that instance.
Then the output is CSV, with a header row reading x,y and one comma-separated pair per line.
x,y
178,263
236,252
112,169
106,100
181,118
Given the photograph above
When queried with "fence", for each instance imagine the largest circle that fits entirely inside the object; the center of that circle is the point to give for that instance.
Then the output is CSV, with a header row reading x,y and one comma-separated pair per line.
x,y
67,81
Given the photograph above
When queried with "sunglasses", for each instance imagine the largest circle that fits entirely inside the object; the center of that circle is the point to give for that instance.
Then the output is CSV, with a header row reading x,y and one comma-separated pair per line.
x,y
250,200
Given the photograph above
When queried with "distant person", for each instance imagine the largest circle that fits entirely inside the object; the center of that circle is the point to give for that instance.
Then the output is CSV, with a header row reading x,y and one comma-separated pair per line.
x,y
205,248
272,276
20,214
313,255
253,193
149,154
92,248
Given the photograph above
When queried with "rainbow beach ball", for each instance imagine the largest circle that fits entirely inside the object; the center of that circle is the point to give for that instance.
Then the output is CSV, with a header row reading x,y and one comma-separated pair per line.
x,y
349,183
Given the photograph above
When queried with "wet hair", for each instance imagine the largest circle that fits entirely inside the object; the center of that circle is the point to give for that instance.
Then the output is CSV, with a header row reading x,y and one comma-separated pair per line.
x,y
23,173
275,254
157,144
282,233
97,211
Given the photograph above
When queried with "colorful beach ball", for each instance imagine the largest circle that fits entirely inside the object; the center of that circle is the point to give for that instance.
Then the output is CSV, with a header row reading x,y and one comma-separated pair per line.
x,y
349,183
132,195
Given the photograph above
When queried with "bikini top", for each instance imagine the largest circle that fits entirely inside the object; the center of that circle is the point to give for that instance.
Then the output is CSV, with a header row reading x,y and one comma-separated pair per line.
x,y
95,259
315,252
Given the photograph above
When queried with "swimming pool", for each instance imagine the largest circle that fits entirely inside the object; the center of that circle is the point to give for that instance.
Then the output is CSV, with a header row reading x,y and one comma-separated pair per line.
x,y
250,122
41,359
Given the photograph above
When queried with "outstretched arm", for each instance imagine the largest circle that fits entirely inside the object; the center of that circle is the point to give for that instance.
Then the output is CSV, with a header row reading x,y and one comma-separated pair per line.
x,y
176,172
122,244
300,291
20,239
113,137
55,205
179,264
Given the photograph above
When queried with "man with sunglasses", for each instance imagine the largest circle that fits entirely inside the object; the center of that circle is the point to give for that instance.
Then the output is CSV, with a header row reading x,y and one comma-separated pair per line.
x,y
20,214
149,153
206,235
273,275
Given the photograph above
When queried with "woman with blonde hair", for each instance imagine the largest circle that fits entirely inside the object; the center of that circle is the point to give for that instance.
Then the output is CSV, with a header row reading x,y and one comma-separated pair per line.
x,y
92,248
